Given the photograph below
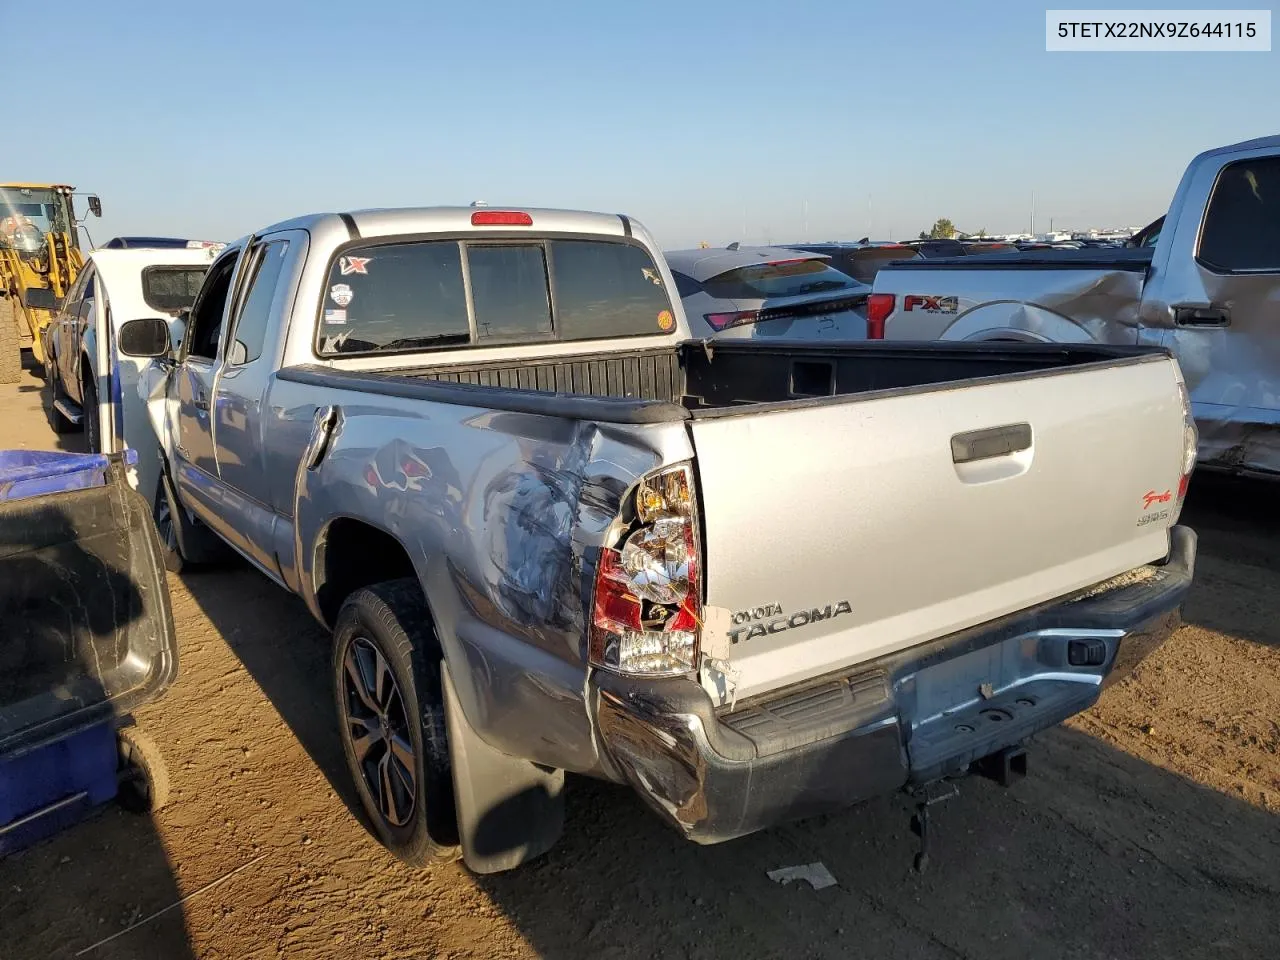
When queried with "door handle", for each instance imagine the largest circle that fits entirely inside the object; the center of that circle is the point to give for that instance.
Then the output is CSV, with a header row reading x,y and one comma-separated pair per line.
x,y
1200,315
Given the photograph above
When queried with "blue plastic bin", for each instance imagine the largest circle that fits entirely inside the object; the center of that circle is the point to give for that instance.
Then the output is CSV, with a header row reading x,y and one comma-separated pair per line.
x,y
54,785
34,473
86,634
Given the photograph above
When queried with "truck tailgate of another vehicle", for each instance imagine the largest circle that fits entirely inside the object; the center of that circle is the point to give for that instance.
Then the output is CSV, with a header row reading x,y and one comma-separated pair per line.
x,y
843,530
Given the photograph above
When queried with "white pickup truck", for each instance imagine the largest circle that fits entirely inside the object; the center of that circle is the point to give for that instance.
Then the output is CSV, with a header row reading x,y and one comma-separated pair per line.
x,y
552,533
91,386
1206,286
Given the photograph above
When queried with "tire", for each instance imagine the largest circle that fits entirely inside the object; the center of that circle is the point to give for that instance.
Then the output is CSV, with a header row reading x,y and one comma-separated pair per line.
x,y
144,778
10,347
383,633
186,543
59,423
89,417
164,512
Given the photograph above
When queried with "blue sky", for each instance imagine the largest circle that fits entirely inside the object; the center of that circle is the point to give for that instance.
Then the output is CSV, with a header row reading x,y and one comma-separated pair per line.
x,y
703,119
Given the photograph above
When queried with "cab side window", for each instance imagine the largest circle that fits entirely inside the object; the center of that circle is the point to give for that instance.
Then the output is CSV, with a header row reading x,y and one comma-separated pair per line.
x,y
1242,225
206,314
265,266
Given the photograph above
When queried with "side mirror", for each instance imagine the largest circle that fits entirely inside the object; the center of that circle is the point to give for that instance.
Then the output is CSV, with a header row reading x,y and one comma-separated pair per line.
x,y
95,205
41,298
144,338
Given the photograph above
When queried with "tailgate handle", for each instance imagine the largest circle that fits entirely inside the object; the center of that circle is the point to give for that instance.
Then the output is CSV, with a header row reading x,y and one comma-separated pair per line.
x,y
1201,315
991,442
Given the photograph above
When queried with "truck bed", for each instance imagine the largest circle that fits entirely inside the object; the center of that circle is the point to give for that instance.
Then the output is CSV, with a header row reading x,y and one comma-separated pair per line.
x,y
693,380
899,491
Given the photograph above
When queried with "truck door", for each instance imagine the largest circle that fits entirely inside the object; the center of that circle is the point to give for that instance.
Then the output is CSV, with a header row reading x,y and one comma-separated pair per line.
x,y
196,467
1222,289
239,394
67,331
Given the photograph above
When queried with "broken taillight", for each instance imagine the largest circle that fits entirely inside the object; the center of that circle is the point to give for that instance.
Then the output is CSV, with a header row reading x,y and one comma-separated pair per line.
x,y
646,610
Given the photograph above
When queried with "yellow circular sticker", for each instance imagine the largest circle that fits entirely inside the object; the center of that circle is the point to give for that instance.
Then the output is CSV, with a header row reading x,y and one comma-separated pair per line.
x,y
665,320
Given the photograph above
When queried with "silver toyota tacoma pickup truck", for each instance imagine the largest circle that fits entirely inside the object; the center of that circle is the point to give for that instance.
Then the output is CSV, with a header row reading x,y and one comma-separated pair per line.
x,y
1207,288
551,533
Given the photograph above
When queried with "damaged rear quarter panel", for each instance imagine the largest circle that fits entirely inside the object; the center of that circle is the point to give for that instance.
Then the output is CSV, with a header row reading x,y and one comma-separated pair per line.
x,y
502,515
1058,306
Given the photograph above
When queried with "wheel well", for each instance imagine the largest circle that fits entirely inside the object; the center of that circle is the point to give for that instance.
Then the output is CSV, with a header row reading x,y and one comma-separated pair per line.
x,y
352,554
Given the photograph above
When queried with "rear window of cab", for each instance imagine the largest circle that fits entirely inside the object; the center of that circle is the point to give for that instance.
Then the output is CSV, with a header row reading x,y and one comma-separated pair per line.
x,y
434,294
171,289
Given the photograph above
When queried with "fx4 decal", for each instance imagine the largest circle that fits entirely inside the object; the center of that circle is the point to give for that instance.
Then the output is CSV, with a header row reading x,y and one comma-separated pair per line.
x,y
914,301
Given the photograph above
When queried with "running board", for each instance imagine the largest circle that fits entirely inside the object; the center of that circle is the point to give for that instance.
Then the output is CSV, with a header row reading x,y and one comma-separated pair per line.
x,y
69,410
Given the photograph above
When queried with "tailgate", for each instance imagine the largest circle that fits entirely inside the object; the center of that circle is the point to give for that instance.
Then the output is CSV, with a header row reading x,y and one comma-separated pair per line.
x,y
841,531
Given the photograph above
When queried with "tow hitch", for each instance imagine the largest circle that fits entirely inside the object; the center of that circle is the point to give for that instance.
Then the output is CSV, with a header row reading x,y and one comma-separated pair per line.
x,y
1004,767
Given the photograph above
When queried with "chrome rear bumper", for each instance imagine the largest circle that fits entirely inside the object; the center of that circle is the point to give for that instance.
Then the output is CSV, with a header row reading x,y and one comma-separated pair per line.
x,y
911,717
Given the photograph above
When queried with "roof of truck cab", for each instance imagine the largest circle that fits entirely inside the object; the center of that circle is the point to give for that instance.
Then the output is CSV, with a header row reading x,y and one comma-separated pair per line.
x,y
394,221
36,186
1258,143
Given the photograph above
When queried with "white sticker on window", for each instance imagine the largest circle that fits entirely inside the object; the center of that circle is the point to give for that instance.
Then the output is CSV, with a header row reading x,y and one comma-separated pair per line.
x,y
335,316
340,293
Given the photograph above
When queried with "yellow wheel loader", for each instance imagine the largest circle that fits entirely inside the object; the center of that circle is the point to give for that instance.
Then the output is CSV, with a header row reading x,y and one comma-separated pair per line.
x,y
39,261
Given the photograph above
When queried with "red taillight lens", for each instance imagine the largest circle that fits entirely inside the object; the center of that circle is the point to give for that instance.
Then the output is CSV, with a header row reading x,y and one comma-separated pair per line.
x,y
723,321
647,607
501,218
879,306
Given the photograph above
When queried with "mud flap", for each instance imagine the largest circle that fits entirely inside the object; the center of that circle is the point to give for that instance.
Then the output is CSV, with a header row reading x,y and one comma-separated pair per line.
x,y
509,810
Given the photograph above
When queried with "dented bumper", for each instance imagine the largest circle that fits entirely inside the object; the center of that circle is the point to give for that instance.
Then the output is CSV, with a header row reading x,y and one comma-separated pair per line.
x,y
911,717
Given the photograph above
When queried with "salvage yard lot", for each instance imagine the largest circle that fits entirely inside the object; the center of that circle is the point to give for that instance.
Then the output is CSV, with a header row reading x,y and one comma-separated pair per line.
x,y
1148,827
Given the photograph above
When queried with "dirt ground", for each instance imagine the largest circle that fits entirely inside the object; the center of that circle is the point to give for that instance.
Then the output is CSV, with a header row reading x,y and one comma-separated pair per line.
x,y
1149,827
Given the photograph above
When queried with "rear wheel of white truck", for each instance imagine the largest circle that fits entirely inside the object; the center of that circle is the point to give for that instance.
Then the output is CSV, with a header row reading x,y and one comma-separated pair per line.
x,y
57,420
386,682
89,415
185,542
164,516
